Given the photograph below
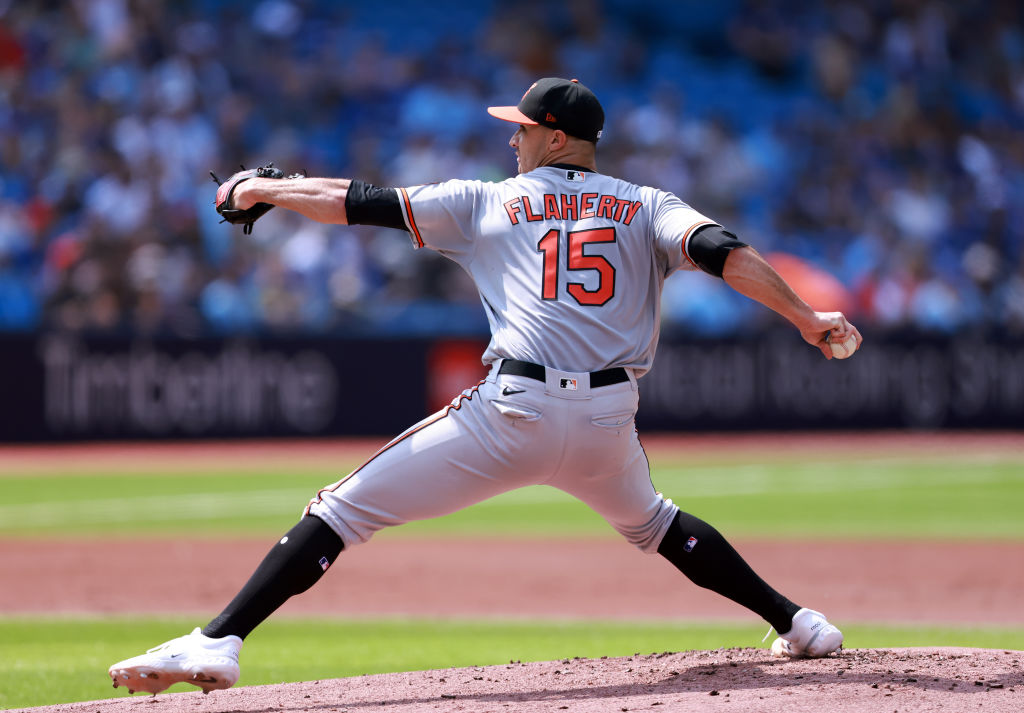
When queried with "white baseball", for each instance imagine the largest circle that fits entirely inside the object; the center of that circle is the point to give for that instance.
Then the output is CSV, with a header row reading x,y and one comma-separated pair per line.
x,y
845,349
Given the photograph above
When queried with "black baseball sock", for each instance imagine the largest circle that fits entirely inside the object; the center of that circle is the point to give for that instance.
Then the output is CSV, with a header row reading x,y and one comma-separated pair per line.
x,y
292,566
711,562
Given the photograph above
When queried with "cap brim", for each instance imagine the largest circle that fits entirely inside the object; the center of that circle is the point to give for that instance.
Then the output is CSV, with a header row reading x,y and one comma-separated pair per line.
x,y
510,113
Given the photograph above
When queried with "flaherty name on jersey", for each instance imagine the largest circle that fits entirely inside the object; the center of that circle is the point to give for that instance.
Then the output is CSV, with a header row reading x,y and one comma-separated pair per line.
x,y
563,206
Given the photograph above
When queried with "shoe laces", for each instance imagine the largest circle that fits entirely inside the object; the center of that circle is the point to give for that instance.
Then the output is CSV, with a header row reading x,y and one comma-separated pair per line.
x,y
770,630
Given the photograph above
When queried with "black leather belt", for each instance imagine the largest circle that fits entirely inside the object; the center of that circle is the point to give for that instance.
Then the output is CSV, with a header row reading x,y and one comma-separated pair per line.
x,y
605,377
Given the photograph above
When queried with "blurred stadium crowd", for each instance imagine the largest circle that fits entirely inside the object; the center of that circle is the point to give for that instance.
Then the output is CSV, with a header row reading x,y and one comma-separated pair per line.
x,y
879,140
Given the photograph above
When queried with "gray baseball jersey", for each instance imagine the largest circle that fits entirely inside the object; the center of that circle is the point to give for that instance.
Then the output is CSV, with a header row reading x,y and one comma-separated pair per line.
x,y
570,266
569,263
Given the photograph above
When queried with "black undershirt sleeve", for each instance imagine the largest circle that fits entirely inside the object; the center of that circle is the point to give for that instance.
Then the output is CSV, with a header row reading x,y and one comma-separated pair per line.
x,y
710,246
366,204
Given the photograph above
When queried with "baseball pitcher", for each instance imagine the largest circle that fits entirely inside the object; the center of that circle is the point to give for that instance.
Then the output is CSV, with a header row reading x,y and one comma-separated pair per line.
x,y
570,265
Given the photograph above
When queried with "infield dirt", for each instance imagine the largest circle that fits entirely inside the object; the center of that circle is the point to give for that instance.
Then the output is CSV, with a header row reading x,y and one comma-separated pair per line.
x,y
738,680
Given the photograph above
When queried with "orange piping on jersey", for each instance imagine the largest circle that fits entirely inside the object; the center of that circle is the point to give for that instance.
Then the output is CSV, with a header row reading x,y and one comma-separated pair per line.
x,y
412,221
394,442
689,234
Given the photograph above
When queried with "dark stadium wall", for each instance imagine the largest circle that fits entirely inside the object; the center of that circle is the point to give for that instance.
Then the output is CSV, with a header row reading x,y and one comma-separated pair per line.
x,y
57,387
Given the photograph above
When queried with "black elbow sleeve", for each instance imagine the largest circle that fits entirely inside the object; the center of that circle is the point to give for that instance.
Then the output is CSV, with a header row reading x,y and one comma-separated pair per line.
x,y
366,204
710,246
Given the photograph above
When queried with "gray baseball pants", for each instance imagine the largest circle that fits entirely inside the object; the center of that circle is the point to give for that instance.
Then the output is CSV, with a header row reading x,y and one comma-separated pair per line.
x,y
507,432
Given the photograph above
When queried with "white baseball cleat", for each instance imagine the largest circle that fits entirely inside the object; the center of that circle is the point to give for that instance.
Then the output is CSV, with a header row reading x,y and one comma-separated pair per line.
x,y
810,637
197,659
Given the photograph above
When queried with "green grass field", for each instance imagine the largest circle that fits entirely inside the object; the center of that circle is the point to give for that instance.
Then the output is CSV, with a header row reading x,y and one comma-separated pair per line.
x,y
742,495
917,495
308,650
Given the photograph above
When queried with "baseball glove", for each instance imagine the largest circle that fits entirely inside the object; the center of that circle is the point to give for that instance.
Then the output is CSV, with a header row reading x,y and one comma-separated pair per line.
x,y
225,189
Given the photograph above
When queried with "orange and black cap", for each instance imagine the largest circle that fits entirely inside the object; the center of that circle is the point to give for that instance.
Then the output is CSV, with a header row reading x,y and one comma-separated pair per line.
x,y
558,104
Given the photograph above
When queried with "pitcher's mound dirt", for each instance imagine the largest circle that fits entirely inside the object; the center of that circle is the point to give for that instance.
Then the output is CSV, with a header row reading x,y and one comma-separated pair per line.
x,y
737,680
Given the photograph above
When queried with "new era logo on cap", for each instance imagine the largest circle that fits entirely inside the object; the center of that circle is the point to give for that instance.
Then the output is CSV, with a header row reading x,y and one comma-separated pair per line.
x,y
558,104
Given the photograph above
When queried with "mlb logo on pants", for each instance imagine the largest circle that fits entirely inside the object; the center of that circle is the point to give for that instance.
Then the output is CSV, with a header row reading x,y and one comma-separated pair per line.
x,y
569,384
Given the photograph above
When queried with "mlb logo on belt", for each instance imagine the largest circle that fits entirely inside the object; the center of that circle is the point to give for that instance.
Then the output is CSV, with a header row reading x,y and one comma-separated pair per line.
x,y
568,384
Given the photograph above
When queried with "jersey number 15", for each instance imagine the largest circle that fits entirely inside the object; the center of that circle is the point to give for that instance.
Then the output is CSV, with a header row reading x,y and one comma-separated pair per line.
x,y
578,260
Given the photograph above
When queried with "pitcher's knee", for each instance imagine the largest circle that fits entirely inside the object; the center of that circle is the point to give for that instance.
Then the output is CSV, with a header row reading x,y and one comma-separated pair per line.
x,y
352,528
647,537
